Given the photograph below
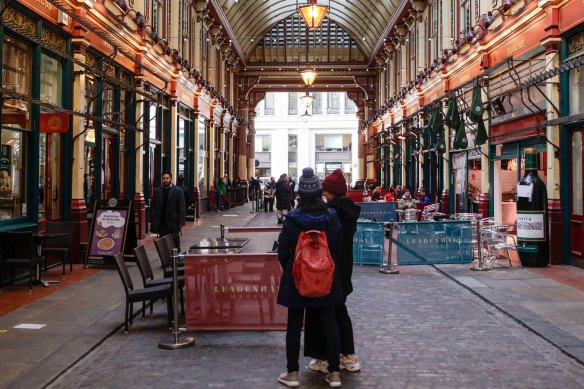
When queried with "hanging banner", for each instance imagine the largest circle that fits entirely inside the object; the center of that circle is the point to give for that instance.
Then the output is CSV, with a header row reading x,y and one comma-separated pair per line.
x,y
54,122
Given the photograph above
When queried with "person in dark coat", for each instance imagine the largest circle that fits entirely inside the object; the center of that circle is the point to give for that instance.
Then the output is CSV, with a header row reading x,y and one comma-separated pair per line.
x,y
311,214
292,186
282,197
167,209
335,189
180,183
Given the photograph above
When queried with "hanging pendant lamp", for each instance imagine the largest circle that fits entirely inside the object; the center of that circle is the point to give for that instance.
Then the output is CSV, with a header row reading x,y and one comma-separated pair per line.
x,y
313,14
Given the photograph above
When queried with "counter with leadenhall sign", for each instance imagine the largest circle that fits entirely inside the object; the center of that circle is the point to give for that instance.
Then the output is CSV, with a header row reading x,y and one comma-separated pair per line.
x,y
230,290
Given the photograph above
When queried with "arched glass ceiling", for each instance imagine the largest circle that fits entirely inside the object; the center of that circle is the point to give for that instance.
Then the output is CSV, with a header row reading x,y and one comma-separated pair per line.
x,y
250,20
289,41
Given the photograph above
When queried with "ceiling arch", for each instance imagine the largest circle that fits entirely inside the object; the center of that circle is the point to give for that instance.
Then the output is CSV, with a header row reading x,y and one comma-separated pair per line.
x,y
250,20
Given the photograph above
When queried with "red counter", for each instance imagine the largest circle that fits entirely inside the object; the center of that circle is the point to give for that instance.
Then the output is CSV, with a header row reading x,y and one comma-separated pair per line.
x,y
233,292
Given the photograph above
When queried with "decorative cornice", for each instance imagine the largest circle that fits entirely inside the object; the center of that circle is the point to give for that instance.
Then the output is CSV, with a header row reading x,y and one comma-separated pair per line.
x,y
225,23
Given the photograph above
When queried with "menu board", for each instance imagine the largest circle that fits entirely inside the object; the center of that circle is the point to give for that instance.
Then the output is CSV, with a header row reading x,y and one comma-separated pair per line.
x,y
108,232
113,231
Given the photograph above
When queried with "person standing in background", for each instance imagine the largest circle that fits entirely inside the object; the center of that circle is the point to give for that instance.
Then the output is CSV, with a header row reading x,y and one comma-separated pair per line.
x,y
269,192
282,197
167,209
180,183
291,185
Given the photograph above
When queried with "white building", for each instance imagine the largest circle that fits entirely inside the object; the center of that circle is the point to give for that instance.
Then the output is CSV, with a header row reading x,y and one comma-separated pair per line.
x,y
327,141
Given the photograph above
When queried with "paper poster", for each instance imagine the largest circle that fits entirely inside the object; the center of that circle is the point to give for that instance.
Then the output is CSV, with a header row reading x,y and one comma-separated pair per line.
x,y
108,232
5,170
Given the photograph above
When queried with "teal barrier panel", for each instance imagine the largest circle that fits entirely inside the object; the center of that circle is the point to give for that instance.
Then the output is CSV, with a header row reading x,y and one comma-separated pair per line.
x,y
429,243
368,243
378,211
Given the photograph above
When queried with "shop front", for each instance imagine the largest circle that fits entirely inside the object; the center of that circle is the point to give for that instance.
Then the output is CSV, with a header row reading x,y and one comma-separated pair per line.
x,y
35,119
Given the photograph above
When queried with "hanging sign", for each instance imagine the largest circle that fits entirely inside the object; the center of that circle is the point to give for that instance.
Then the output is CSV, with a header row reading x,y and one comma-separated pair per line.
x,y
54,122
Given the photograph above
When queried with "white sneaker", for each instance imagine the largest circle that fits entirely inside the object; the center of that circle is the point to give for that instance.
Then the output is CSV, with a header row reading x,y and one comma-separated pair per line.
x,y
289,379
350,362
334,379
318,365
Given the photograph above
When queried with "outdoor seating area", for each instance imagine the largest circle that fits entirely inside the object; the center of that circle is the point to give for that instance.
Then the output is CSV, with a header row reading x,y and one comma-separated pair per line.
x,y
22,254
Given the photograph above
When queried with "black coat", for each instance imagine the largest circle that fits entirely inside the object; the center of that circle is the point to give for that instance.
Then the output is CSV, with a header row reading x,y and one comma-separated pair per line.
x,y
348,213
288,295
175,209
282,194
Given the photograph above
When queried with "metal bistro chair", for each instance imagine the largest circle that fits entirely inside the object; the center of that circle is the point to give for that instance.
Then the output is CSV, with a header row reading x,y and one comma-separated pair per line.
x,y
148,279
429,211
407,219
145,294
61,246
495,239
18,250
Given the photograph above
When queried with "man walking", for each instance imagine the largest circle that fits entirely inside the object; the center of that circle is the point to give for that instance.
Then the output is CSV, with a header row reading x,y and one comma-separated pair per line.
x,y
167,209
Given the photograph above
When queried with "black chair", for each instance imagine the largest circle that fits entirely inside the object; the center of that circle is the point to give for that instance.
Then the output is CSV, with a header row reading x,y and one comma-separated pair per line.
x,y
135,295
19,250
60,246
164,254
148,276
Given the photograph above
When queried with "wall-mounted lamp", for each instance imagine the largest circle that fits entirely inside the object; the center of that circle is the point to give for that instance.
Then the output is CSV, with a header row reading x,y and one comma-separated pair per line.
x,y
498,107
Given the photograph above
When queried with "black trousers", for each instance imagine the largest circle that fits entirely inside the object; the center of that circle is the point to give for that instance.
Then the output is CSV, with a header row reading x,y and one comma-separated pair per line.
x,y
268,202
326,318
314,343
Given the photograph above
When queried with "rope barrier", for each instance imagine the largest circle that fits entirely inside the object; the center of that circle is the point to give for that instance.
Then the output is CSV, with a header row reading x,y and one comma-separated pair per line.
x,y
233,202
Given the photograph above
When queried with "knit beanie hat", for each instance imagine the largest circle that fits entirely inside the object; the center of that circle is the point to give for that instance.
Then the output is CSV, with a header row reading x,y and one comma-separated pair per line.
x,y
335,183
309,185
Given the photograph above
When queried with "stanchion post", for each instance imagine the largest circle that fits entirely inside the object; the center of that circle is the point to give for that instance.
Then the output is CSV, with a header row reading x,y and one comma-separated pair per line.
x,y
388,269
177,341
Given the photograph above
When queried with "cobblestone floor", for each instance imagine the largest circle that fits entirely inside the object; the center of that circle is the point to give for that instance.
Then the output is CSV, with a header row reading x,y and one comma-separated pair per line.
x,y
418,329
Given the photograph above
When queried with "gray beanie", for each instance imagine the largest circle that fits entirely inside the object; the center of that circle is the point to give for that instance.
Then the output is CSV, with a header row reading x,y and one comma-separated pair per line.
x,y
309,185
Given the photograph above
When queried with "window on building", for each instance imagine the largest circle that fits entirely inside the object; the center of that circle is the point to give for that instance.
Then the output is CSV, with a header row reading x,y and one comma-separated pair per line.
x,y
465,14
293,103
317,104
333,142
350,106
333,103
292,143
269,104
263,143
435,44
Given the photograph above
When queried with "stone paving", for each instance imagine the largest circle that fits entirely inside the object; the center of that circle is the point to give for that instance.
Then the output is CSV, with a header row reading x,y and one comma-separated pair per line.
x,y
427,327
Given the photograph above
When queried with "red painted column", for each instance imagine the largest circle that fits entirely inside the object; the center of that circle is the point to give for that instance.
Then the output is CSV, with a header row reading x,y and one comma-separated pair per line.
x,y
80,230
140,215
555,231
484,201
445,202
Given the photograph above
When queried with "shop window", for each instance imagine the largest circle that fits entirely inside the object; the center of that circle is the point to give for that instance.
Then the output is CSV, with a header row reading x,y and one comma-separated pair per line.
x,y
180,142
576,91
577,174
317,103
292,143
13,174
16,72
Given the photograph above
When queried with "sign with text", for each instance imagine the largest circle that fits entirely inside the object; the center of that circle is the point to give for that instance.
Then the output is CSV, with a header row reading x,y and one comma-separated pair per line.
x,y
112,231
382,211
428,243
233,292
108,232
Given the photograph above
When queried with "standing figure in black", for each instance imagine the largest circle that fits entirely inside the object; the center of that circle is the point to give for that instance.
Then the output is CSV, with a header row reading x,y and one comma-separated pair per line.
x,y
167,209
180,183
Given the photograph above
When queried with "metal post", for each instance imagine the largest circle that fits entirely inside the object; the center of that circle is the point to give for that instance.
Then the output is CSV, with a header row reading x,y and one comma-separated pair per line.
x,y
177,341
386,269
222,228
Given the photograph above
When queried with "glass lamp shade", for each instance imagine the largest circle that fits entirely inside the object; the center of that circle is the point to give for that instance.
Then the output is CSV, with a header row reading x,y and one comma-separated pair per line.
x,y
313,14
308,76
307,100
305,116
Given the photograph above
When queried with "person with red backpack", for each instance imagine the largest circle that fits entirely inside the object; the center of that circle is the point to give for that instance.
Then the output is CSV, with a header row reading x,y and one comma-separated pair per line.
x,y
309,249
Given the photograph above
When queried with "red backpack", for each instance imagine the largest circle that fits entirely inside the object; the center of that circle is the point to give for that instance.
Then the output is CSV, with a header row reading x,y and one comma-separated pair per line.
x,y
313,265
